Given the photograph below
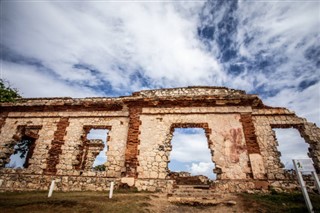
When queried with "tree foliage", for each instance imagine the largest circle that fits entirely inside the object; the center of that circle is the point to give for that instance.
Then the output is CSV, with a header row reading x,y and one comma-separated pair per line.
x,y
101,167
22,147
7,94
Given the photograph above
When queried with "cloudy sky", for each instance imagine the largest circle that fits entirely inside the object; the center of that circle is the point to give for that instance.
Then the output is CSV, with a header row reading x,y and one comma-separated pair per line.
x,y
112,48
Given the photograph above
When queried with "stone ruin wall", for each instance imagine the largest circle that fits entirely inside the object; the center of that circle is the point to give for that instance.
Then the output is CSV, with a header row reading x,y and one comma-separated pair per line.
x,y
238,128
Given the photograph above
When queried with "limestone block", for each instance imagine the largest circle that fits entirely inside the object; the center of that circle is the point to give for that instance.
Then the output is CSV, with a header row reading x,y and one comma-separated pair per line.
x,y
257,166
163,164
128,180
162,175
153,174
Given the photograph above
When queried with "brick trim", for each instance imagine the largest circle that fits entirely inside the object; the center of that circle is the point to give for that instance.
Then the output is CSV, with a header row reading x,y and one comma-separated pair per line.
x,y
55,150
131,155
249,134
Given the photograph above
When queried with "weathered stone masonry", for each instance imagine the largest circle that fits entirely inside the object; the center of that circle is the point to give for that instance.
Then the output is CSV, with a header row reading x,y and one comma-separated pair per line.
x,y
238,127
55,150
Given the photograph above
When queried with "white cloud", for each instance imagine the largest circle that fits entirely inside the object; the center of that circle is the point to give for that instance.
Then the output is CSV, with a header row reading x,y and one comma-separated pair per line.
x,y
190,147
202,168
157,39
282,30
279,25
305,103
98,134
32,82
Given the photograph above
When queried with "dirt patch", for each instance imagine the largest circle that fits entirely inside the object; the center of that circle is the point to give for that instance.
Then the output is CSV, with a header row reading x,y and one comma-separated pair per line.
x,y
160,204
136,202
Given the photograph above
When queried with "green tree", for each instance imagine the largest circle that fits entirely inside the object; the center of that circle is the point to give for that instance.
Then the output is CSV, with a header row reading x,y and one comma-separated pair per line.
x,y
101,167
7,94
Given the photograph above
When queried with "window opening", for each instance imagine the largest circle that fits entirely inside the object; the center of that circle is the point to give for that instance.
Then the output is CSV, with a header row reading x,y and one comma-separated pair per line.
x,y
291,146
190,155
22,153
97,136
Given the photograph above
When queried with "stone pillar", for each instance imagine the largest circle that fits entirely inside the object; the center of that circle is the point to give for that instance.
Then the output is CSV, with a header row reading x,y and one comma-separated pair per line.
x,y
57,142
131,156
311,133
256,160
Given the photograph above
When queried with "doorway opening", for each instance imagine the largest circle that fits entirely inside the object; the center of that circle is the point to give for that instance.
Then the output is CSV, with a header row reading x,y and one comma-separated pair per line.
x,y
190,155
291,146
98,148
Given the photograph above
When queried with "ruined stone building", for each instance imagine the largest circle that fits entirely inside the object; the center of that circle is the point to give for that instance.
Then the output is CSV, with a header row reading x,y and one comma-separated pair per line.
x,y
238,127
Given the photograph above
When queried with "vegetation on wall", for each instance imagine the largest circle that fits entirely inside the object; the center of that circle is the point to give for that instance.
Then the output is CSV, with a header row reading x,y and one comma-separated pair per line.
x,y
7,93
101,167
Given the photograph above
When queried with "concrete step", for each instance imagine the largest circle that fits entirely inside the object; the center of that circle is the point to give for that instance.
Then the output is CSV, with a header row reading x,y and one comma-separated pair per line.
x,y
207,192
195,200
195,191
199,191
202,186
198,194
191,187
190,180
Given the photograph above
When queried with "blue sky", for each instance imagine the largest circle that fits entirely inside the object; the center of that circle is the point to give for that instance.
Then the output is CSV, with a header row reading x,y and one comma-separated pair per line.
x,y
109,48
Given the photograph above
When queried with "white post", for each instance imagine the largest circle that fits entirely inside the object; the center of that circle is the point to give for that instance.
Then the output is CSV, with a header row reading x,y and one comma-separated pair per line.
x,y
111,190
316,180
303,187
51,189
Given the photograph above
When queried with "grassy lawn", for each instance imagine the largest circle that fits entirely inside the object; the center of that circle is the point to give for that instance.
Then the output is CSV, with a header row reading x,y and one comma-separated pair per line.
x,y
72,202
282,202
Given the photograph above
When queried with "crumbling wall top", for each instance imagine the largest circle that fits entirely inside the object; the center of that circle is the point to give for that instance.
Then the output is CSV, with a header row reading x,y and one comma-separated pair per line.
x,y
190,91
197,94
56,101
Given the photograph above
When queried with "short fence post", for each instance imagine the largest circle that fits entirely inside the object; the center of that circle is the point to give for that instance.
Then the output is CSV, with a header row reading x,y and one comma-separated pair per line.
x,y
51,189
298,165
111,190
316,180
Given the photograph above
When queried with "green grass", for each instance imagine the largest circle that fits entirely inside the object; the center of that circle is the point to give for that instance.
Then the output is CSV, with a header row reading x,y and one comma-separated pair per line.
x,y
72,202
283,202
